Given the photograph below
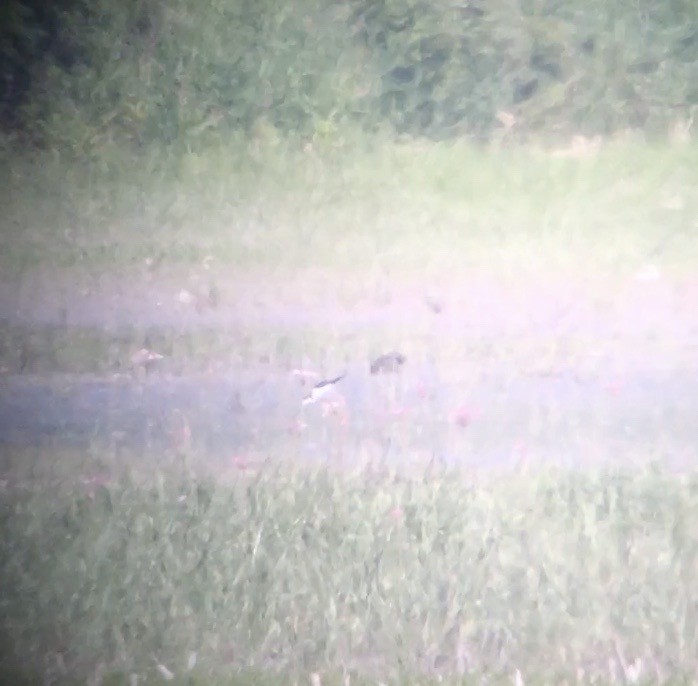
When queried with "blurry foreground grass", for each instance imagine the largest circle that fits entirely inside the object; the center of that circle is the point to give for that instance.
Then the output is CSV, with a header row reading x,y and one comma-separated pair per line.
x,y
296,575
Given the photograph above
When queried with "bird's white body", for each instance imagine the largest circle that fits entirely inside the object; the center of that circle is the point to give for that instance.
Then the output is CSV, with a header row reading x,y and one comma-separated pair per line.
x,y
322,390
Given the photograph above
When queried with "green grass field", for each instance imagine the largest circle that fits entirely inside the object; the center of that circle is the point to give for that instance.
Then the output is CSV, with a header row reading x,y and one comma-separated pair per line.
x,y
121,571
358,576
363,205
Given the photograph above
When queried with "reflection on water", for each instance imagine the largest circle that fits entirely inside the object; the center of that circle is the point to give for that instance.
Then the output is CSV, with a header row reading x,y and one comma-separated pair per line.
x,y
487,421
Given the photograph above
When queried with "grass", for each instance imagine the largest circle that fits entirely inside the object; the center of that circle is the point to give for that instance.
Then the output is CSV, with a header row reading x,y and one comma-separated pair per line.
x,y
92,350
363,574
367,205
343,227
300,574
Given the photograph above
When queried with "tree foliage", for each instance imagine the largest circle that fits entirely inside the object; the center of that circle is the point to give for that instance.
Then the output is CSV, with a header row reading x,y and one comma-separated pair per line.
x,y
84,74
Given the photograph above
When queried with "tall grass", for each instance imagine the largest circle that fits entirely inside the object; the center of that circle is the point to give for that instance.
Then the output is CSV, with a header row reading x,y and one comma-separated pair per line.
x,y
364,204
357,575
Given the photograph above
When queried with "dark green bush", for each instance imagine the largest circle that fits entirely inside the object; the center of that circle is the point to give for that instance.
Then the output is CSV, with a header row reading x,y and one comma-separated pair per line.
x,y
147,72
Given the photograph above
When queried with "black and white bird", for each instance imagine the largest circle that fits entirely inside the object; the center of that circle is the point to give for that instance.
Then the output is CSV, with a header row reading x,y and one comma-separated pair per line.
x,y
322,389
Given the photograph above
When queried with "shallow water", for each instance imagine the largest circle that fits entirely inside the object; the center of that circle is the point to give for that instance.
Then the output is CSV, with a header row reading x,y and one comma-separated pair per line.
x,y
565,419
632,396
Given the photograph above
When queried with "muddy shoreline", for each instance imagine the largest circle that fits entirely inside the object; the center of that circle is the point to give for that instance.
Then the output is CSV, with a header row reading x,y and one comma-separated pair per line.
x,y
629,387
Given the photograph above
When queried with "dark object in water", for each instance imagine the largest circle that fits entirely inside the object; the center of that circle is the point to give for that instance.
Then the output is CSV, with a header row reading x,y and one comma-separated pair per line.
x,y
388,363
433,304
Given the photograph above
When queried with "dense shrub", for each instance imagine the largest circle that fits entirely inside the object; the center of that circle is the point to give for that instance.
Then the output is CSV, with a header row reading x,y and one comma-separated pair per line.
x,y
146,72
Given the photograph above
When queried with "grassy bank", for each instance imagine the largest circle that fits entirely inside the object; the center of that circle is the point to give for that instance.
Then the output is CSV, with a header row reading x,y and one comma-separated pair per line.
x,y
280,574
363,203
289,575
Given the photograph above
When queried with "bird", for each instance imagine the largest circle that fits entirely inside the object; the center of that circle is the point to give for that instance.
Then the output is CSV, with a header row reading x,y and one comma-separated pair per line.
x,y
322,389
145,358
433,304
388,363
236,405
